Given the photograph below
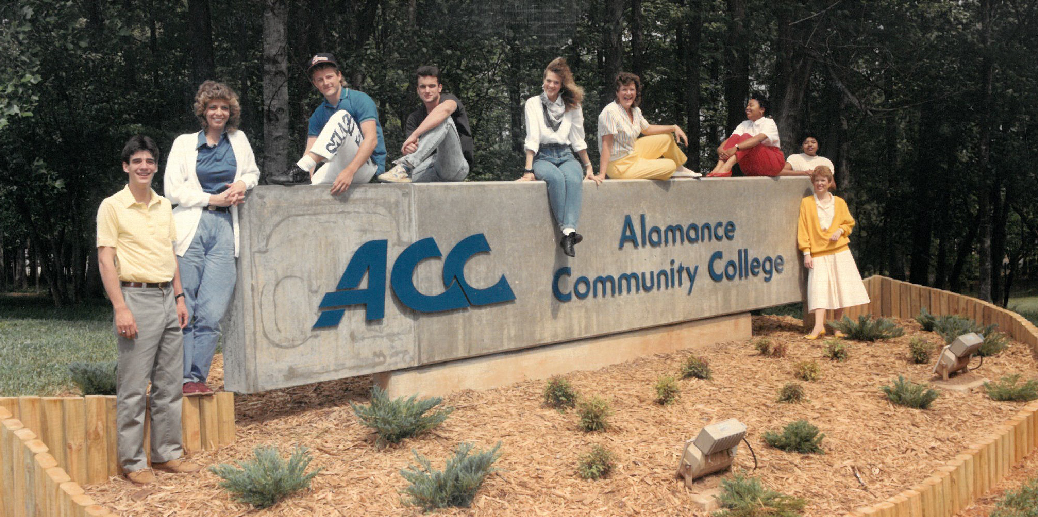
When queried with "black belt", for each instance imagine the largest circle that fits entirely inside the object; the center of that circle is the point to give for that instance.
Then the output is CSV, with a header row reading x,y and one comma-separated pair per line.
x,y
224,209
156,285
554,146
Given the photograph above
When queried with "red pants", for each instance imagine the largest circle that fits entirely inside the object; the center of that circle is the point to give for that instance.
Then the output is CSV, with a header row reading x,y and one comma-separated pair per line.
x,y
759,160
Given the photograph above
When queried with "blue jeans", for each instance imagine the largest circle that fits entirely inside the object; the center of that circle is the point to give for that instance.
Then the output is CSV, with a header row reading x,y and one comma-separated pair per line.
x,y
207,273
557,167
439,156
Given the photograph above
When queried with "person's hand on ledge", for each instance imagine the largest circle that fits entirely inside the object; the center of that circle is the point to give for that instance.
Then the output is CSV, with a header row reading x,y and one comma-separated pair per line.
x,y
527,176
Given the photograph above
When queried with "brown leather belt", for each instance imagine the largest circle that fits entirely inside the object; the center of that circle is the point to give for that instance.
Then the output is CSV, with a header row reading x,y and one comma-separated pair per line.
x,y
158,285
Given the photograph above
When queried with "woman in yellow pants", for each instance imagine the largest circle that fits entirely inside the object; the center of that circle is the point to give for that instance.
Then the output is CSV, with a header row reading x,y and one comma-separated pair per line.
x,y
625,156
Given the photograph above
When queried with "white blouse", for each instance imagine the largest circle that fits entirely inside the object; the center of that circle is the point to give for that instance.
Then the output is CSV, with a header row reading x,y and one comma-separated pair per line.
x,y
571,130
826,211
614,121
764,125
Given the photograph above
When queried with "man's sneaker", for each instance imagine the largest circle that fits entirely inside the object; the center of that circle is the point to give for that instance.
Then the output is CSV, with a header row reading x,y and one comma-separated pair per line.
x,y
192,389
141,477
398,174
177,466
293,176
203,389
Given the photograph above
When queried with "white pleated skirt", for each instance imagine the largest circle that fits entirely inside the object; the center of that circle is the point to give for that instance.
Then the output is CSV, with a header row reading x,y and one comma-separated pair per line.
x,y
834,282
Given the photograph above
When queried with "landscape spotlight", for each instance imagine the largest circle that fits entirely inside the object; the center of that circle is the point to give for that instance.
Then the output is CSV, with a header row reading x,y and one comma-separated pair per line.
x,y
712,451
956,356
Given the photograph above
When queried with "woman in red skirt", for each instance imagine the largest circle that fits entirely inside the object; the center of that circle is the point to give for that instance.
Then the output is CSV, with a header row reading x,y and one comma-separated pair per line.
x,y
754,144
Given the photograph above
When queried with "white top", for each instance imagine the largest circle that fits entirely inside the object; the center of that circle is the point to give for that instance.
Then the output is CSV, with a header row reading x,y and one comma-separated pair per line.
x,y
182,188
803,162
764,125
571,130
826,211
614,121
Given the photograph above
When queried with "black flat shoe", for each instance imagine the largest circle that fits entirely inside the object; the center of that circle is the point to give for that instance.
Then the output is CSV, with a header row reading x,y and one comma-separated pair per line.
x,y
577,237
293,176
567,245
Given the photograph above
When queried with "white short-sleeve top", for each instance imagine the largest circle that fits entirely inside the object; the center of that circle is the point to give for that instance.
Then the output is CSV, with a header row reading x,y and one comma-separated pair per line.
x,y
614,121
764,125
570,132
803,162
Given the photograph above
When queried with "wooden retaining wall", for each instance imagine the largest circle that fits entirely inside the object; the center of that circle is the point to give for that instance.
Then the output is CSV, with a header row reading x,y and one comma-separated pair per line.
x,y
975,471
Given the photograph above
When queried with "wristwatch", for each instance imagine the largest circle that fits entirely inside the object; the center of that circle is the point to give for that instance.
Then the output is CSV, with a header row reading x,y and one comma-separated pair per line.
x,y
181,295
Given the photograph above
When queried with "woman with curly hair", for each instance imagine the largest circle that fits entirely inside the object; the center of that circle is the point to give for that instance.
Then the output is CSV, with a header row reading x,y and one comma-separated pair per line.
x,y
207,175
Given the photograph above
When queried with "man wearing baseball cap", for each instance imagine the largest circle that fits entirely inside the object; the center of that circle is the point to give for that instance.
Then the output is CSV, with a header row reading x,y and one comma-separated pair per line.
x,y
344,133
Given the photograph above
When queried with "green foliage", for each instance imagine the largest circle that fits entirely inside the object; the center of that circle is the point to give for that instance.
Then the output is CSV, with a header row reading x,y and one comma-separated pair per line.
x,y
994,343
806,371
745,497
1022,502
456,484
927,320
951,327
667,390
868,329
559,393
594,414
907,393
920,350
791,392
1007,389
696,366
767,348
800,436
396,419
597,463
266,478
94,378
836,350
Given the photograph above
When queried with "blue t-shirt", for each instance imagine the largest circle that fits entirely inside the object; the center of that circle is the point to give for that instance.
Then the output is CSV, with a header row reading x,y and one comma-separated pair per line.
x,y
360,106
216,164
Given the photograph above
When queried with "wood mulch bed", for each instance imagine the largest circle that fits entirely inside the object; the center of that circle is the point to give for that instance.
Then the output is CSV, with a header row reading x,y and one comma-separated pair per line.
x,y
888,447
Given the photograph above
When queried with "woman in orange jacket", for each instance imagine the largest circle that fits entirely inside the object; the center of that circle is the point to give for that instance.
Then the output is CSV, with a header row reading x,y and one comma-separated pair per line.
x,y
823,235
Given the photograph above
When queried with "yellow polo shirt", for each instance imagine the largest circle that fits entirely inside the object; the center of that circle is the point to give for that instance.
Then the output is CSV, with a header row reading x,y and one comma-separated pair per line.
x,y
141,235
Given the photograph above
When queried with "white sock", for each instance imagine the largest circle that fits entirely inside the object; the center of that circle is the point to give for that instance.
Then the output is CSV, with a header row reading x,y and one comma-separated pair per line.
x,y
307,163
567,231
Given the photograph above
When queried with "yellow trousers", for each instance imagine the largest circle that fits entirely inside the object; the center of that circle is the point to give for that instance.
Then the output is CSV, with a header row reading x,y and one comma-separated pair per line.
x,y
655,157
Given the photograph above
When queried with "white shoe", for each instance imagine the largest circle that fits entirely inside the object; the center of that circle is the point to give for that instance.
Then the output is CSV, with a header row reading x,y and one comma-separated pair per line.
x,y
685,173
398,174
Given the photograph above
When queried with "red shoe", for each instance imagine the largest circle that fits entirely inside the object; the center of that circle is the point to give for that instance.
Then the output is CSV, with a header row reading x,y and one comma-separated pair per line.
x,y
203,389
192,389
719,174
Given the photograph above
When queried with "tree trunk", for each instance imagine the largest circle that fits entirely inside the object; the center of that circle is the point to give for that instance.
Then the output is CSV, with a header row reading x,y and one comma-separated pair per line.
x,y
737,78
965,249
514,80
999,220
275,87
693,60
792,73
637,40
987,77
612,30
200,41
922,190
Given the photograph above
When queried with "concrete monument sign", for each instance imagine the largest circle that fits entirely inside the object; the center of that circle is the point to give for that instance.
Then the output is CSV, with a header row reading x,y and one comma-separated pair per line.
x,y
391,277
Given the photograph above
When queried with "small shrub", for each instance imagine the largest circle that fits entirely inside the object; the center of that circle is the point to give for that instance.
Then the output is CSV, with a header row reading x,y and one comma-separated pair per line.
x,y
597,463
266,478
868,329
800,436
559,393
951,327
909,394
594,414
666,390
456,484
745,497
1022,502
791,392
927,320
1008,390
697,367
94,378
836,350
807,371
920,350
994,343
396,419
778,350
762,345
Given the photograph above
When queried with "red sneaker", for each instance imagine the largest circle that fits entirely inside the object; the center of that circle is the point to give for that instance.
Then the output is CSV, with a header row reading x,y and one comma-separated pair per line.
x,y
192,389
203,389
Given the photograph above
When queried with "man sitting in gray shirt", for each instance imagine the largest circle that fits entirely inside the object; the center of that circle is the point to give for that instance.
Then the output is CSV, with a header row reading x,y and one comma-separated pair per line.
x,y
439,142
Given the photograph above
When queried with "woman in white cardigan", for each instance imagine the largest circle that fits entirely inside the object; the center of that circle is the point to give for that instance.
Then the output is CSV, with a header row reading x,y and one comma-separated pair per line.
x,y
554,132
207,175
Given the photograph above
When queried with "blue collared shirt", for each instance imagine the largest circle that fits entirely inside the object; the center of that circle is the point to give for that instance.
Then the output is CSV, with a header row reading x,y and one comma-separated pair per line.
x,y
216,164
361,108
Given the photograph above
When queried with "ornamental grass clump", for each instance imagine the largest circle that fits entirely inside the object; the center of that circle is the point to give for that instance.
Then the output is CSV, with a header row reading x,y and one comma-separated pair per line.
x,y
396,419
1022,502
792,392
868,329
94,378
836,350
597,463
267,478
920,350
696,366
594,414
800,436
743,496
667,390
926,320
951,327
559,393
456,484
909,394
994,343
1007,389
807,371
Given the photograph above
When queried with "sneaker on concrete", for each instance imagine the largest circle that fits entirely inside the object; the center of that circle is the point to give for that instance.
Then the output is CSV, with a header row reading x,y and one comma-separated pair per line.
x,y
141,477
293,176
177,466
398,174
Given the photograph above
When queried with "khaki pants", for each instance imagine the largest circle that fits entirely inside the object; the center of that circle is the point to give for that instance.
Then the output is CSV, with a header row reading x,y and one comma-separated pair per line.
x,y
654,157
156,356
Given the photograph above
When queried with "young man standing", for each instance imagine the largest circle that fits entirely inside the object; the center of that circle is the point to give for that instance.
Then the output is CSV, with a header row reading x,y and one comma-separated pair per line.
x,y
439,142
344,132
802,164
135,237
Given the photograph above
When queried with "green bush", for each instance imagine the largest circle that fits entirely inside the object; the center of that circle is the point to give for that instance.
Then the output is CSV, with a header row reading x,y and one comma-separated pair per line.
x,y
951,327
94,378
920,350
1022,502
696,366
868,329
456,484
266,478
800,436
791,392
1008,390
909,394
597,463
807,371
762,345
594,414
836,350
559,393
667,390
994,343
396,419
745,497
927,320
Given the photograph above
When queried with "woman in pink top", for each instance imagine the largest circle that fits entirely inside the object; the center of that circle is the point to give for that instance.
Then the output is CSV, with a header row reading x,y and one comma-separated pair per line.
x,y
754,144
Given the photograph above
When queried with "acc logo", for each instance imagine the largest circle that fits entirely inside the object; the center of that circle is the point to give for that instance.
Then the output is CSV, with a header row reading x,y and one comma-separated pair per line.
x,y
370,259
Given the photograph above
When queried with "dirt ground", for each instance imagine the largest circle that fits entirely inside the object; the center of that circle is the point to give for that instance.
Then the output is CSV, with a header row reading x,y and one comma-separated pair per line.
x,y
888,447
